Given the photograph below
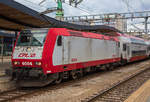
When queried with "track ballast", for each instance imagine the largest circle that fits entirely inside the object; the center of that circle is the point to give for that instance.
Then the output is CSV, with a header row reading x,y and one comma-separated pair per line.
x,y
122,90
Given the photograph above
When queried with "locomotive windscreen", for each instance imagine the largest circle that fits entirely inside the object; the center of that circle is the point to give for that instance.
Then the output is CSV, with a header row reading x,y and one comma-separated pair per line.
x,y
35,37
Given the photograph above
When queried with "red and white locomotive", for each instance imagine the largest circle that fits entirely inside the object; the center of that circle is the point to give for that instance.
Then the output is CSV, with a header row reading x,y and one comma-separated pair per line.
x,y
42,56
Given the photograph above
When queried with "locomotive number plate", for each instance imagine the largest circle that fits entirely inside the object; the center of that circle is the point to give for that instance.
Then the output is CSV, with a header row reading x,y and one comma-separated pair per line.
x,y
26,63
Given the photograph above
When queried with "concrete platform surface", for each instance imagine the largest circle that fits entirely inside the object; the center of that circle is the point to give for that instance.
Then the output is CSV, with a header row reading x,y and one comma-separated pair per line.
x,y
141,95
3,67
5,81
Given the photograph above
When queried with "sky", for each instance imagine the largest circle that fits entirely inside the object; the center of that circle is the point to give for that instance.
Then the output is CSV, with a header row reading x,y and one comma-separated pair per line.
x,y
89,7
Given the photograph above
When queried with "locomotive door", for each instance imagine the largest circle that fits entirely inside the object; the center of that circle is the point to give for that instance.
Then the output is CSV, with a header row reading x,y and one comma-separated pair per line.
x,y
128,51
65,50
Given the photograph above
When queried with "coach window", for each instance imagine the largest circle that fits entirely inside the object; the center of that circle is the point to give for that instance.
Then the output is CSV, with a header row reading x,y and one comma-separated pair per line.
x,y
59,41
124,47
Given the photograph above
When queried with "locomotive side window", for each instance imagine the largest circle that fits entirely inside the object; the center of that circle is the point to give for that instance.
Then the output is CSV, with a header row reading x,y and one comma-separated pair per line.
x,y
59,41
124,47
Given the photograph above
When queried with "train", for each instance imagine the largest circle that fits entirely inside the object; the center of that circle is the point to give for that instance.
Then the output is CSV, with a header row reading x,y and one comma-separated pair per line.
x,y
49,55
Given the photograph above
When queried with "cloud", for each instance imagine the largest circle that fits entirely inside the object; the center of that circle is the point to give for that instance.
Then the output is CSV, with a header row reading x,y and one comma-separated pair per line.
x,y
32,4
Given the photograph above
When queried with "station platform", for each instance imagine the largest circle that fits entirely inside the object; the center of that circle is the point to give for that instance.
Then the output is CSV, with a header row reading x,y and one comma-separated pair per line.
x,y
6,64
3,67
141,95
5,81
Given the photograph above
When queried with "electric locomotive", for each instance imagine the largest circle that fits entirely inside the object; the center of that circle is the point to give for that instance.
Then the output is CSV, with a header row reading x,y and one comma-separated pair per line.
x,y
42,56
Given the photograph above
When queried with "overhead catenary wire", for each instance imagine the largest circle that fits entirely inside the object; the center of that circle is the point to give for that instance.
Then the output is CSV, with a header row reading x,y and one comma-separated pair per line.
x,y
42,2
143,4
35,3
79,8
85,7
129,7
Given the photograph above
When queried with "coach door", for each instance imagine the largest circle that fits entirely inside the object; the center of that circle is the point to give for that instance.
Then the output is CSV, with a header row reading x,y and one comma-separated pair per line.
x,y
125,51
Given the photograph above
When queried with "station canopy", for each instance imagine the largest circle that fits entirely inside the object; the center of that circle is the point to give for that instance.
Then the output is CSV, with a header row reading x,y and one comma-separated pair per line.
x,y
15,17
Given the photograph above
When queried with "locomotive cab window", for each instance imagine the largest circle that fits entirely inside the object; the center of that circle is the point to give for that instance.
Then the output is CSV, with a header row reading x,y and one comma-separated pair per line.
x,y
59,41
25,39
35,37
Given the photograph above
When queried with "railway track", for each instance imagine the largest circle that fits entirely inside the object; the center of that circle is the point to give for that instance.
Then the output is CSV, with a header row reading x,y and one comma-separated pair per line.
x,y
14,94
120,91
19,93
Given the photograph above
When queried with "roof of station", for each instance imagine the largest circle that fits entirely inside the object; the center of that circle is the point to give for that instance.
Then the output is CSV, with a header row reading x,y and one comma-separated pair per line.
x,y
3,34
15,17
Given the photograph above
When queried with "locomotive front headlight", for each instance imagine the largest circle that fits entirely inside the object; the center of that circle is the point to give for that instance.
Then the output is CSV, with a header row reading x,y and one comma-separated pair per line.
x,y
16,63
38,63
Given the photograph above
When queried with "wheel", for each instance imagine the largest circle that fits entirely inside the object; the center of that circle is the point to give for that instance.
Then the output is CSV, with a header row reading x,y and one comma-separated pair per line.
x,y
93,69
74,74
110,67
86,70
107,67
59,79
80,72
